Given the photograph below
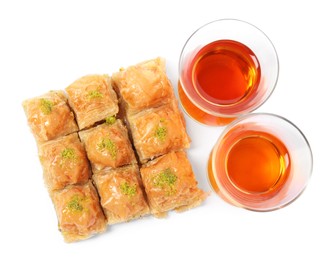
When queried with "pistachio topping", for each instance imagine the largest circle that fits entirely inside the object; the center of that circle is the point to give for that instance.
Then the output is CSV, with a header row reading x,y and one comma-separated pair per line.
x,y
68,153
110,120
108,145
127,189
161,133
95,94
75,204
166,180
46,106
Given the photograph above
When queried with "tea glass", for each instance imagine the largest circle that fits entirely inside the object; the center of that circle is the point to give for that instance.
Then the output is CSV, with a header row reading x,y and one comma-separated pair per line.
x,y
297,160
210,113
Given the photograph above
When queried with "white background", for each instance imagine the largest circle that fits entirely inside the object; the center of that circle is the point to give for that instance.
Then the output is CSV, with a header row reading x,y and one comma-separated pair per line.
x,y
46,45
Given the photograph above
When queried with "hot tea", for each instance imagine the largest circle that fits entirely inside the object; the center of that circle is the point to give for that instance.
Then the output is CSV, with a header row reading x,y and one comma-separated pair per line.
x,y
261,162
252,164
227,69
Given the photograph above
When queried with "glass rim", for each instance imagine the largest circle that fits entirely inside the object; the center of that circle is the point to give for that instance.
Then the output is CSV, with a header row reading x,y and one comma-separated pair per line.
x,y
249,109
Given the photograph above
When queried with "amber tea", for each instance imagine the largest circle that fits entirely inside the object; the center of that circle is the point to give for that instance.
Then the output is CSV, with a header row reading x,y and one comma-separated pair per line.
x,y
254,165
224,75
258,163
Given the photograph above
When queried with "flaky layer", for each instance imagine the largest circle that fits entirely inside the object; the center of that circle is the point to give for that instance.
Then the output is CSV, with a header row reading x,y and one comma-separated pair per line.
x,y
79,213
92,99
158,131
121,194
144,85
170,183
64,162
107,145
49,116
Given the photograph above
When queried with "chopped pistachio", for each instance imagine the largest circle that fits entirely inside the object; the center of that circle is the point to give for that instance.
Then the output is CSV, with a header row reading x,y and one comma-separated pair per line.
x,y
109,145
68,153
74,205
110,120
95,94
166,180
161,133
127,189
46,106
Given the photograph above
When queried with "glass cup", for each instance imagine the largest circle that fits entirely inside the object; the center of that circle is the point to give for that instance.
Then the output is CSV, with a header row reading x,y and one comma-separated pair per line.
x,y
261,162
227,68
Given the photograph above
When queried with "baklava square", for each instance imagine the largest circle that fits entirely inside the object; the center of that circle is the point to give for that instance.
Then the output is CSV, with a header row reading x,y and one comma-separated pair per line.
x,y
121,193
64,162
170,183
158,131
144,85
108,145
78,211
92,98
49,116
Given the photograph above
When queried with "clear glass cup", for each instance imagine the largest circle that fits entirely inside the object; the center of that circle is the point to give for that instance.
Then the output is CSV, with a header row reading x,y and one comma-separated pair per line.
x,y
261,162
227,68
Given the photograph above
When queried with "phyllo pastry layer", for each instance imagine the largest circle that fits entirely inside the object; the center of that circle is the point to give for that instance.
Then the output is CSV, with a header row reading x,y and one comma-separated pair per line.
x,y
108,145
158,131
49,116
92,99
143,86
170,183
64,162
121,194
79,213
